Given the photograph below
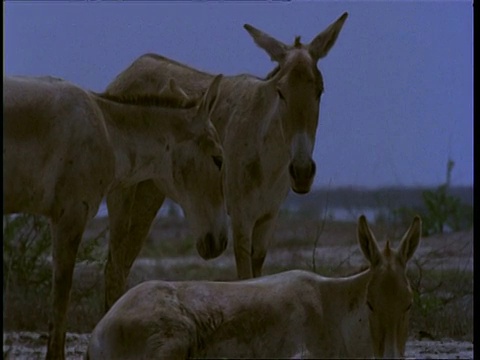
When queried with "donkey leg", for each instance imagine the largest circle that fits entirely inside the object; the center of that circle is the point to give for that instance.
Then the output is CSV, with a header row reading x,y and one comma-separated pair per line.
x,y
131,212
242,246
67,231
119,203
262,234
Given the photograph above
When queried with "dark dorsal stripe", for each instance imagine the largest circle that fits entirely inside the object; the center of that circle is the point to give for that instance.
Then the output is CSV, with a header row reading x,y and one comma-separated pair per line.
x,y
272,73
357,271
297,44
149,100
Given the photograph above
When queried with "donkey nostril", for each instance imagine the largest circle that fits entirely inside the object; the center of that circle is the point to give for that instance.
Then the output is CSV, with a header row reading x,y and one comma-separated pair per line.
x,y
210,247
205,245
291,170
218,160
209,242
313,169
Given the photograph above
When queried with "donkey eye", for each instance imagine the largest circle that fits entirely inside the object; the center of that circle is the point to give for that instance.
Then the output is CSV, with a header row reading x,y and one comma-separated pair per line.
x,y
408,307
369,306
319,93
281,95
218,161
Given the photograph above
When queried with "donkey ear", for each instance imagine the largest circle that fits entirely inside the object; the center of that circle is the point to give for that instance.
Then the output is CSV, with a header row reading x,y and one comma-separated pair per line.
x,y
210,96
410,240
172,85
367,242
177,91
275,48
323,42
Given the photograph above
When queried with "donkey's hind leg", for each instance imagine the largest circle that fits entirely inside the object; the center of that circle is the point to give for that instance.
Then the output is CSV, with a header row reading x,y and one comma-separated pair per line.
x,y
169,343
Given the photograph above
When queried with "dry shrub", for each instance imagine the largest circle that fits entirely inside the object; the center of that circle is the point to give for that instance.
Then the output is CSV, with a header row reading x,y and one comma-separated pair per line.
x,y
27,277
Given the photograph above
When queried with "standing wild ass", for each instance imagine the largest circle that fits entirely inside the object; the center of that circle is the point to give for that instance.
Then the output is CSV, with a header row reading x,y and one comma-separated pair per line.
x,y
294,313
267,127
65,148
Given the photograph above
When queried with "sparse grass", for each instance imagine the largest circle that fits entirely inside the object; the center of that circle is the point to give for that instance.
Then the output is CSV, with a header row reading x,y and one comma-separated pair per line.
x,y
443,301
173,239
27,276
188,271
169,247
440,209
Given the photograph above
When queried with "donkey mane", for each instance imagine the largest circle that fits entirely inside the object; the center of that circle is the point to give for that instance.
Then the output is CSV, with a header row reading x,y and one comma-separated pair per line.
x,y
272,73
206,323
357,271
297,44
149,100
155,56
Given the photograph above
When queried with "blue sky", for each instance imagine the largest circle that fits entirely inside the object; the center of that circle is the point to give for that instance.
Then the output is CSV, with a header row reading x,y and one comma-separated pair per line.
x,y
398,96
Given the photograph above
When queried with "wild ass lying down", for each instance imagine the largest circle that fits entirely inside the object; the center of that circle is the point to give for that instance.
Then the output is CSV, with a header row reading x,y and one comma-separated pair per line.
x,y
268,128
294,313
64,148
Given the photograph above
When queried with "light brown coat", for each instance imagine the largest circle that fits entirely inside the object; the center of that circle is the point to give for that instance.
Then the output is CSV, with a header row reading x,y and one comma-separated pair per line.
x,y
294,314
65,148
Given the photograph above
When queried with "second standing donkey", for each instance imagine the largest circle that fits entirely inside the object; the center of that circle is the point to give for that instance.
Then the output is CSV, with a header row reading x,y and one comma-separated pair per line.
x,y
267,127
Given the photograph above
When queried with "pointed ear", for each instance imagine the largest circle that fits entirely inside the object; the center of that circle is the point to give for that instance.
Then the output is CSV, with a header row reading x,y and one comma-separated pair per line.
x,y
275,48
410,240
210,96
367,242
323,42
177,91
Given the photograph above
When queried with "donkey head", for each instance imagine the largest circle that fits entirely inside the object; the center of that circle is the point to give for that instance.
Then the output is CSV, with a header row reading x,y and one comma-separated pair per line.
x,y
299,86
389,296
196,178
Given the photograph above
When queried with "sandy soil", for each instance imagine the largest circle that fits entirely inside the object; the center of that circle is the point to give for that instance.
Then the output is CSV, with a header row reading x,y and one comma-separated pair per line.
x,y
26,345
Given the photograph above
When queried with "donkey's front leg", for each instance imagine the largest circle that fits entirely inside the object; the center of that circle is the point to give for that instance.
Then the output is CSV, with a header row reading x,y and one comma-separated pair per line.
x,y
131,212
242,246
67,231
261,237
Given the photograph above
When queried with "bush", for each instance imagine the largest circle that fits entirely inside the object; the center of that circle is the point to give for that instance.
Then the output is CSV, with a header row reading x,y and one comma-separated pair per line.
x,y
26,269
443,302
27,272
440,210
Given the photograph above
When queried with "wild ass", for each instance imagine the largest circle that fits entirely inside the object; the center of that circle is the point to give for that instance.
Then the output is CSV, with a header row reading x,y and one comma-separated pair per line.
x,y
64,148
267,127
294,313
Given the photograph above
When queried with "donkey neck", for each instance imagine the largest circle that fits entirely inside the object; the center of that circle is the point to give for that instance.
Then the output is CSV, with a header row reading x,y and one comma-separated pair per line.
x,y
347,309
142,137
351,290
147,115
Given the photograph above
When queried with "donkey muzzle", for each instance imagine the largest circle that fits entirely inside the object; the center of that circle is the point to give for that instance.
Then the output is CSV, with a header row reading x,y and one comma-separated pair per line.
x,y
301,176
210,247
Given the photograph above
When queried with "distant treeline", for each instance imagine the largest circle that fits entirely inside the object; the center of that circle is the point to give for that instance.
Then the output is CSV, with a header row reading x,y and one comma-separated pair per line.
x,y
389,197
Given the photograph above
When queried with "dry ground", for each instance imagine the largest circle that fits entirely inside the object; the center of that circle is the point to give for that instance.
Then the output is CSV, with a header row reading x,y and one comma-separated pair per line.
x,y
28,345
